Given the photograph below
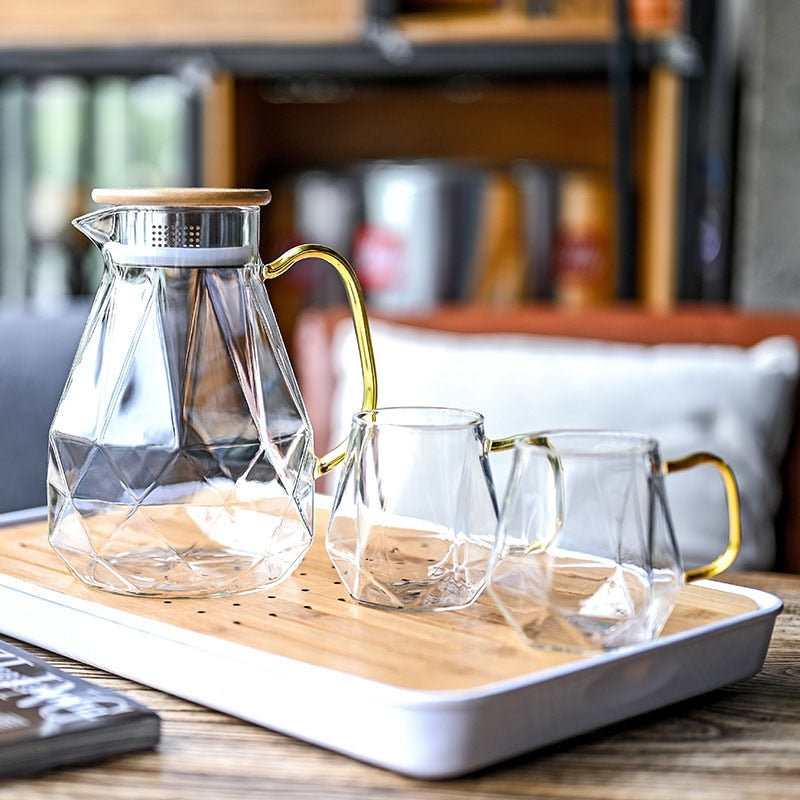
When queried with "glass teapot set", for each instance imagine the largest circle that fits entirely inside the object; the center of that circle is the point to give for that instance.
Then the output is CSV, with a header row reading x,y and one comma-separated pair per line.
x,y
181,459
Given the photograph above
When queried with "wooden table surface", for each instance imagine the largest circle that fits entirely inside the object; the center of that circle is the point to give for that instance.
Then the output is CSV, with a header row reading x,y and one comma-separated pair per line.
x,y
742,741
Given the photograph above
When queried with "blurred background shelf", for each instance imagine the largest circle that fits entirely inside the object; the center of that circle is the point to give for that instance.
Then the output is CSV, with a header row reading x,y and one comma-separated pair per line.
x,y
104,23
345,38
268,91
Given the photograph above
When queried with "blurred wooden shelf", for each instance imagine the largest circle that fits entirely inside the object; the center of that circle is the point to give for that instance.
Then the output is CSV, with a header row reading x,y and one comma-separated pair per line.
x,y
569,87
340,38
105,23
505,26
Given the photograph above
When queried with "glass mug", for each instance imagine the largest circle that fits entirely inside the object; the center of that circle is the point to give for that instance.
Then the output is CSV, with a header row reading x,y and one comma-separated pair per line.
x,y
586,557
414,516
181,459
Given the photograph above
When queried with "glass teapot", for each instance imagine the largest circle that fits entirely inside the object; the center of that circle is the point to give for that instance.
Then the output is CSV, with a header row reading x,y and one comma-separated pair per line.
x,y
181,457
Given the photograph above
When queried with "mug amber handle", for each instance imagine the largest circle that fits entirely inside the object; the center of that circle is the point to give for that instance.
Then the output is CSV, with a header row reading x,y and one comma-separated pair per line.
x,y
724,560
506,443
363,337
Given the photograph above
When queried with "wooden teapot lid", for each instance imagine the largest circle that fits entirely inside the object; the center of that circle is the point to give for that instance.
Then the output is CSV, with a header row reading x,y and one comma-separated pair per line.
x,y
194,196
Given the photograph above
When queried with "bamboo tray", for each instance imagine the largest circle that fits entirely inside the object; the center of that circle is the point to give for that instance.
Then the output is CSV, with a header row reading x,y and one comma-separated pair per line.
x,y
429,695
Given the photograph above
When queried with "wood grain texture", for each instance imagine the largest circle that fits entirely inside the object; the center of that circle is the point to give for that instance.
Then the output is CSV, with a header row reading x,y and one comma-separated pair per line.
x,y
739,742
191,196
309,617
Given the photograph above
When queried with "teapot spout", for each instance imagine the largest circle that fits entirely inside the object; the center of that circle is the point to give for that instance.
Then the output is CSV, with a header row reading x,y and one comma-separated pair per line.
x,y
98,226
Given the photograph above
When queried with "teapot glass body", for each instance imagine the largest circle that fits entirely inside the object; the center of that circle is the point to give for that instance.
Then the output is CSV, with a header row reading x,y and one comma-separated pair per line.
x,y
181,457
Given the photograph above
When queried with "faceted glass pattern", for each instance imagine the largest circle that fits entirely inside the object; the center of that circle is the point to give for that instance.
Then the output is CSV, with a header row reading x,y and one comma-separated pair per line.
x,y
414,516
180,456
586,558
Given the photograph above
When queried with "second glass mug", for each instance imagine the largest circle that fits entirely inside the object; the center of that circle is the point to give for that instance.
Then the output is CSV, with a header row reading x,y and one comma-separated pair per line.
x,y
181,456
586,557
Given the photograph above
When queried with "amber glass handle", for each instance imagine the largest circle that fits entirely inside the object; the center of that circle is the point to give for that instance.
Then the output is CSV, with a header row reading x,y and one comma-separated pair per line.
x,y
363,337
557,469
506,443
727,557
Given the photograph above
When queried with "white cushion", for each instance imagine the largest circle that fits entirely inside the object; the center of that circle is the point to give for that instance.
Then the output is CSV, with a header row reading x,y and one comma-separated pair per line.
x,y
735,402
